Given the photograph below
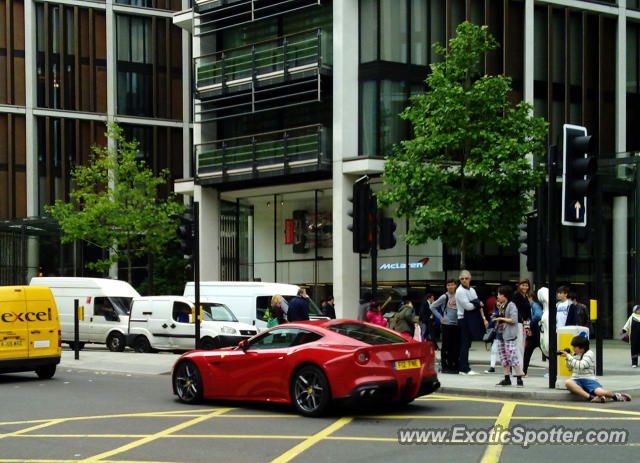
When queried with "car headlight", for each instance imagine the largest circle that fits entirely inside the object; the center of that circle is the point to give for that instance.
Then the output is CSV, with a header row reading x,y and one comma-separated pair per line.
x,y
229,330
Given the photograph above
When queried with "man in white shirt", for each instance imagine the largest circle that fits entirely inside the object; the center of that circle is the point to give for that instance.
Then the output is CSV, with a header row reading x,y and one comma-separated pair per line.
x,y
466,301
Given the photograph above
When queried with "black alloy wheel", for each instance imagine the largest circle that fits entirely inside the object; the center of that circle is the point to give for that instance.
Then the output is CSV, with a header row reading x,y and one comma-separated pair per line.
x,y
187,383
310,391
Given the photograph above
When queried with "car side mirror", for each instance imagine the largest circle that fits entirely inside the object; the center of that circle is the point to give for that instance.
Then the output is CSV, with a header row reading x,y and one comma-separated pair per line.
x,y
244,345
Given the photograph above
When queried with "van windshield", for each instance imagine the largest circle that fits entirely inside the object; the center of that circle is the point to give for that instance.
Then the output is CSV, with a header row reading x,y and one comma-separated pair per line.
x,y
217,312
313,308
122,305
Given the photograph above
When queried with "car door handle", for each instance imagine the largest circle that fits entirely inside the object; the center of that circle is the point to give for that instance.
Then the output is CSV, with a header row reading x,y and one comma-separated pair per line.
x,y
35,332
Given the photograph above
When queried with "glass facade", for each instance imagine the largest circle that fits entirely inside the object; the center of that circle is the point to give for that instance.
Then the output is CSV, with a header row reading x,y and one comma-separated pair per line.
x,y
72,73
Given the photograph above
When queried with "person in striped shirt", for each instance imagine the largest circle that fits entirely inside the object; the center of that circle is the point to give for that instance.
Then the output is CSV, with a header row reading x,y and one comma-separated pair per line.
x,y
583,380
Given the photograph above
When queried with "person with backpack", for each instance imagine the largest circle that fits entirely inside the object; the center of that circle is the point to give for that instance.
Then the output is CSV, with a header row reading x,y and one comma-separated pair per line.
x,y
449,324
425,316
402,321
533,336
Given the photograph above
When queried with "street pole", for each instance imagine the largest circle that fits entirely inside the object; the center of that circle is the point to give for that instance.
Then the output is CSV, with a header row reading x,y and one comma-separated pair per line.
x,y
373,231
196,268
596,219
76,330
552,249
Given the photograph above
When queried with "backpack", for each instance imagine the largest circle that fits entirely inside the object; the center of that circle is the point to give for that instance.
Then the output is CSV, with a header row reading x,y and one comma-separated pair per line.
x,y
393,321
583,317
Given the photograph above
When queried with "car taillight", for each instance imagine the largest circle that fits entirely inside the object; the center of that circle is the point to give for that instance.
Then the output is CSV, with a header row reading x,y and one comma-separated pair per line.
x,y
362,357
59,338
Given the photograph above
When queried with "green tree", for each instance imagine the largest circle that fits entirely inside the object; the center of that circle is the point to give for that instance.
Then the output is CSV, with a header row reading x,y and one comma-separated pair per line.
x,y
465,176
114,205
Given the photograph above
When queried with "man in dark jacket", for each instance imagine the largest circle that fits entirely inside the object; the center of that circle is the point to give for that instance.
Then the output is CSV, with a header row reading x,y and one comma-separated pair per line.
x,y
298,307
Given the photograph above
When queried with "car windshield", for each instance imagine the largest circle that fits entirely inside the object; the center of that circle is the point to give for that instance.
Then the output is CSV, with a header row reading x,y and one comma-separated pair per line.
x,y
217,313
373,335
122,305
313,308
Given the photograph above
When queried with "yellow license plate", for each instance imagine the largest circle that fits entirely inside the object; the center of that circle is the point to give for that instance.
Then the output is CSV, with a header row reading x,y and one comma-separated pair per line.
x,y
406,364
11,343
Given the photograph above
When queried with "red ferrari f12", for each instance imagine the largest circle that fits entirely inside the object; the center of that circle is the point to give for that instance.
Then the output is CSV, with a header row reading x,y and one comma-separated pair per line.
x,y
311,365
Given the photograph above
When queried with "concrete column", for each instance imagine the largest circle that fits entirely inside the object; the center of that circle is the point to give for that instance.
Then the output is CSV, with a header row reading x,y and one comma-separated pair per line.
x,y
112,96
346,274
620,216
31,93
528,91
209,200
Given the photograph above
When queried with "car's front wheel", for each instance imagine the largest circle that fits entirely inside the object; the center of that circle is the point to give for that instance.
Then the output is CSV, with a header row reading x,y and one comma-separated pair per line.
x,y
310,391
187,382
141,345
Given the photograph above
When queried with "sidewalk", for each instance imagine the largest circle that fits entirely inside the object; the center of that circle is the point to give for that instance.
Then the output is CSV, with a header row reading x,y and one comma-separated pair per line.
x,y
618,374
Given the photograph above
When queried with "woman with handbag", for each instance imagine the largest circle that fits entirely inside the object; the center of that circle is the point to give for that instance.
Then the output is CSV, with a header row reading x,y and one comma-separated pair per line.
x,y
276,313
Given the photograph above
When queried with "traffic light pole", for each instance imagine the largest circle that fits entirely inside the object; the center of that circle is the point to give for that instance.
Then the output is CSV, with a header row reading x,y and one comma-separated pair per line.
x,y
552,160
597,255
196,268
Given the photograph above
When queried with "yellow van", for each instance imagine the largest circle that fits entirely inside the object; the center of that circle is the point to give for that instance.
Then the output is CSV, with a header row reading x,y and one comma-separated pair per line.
x,y
30,338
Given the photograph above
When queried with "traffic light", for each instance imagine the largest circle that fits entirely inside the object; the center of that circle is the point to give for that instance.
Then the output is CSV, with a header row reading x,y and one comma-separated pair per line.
x,y
185,234
386,238
529,240
578,175
361,212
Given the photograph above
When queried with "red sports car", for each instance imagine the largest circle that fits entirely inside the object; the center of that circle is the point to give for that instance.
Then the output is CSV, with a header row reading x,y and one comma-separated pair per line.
x,y
310,365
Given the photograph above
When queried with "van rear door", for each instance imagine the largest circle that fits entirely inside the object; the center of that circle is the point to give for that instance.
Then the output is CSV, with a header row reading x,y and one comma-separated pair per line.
x,y
43,322
14,333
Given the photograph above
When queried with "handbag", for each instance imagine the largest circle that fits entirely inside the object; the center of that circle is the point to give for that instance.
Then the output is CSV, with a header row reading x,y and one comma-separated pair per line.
x,y
489,335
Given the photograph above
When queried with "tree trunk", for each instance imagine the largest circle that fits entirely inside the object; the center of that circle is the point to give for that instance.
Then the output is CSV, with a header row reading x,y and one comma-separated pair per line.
x,y
129,263
463,252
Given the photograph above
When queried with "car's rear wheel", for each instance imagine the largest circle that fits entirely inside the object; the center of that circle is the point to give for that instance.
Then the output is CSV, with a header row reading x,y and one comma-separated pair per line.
x,y
46,372
310,391
187,382
115,342
141,345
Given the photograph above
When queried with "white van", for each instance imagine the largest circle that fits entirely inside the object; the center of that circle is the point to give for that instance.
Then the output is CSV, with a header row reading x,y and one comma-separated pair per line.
x,y
249,300
167,323
106,308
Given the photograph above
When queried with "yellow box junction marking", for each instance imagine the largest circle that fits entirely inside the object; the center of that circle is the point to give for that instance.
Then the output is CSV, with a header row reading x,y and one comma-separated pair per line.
x,y
493,452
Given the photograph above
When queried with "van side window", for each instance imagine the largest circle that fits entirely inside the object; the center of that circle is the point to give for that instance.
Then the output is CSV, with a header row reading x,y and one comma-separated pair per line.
x,y
181,312
263,303
103,306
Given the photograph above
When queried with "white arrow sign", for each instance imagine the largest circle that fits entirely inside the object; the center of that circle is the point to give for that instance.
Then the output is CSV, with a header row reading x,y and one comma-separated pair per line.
x,y
577,206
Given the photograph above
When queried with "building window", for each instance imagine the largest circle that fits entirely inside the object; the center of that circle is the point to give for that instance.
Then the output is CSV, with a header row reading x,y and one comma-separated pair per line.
x,y
135,66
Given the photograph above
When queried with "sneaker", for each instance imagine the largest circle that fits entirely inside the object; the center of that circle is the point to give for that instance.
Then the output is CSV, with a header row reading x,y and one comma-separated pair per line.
x,y
462,373
598,399
634,366
472,373
490,370
504,382
621,397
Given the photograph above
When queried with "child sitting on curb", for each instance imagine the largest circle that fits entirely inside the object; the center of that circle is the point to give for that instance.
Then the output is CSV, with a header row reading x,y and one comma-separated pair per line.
x,y
583,380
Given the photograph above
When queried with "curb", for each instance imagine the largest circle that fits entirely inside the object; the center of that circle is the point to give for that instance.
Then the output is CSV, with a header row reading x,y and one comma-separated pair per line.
x,y
556,395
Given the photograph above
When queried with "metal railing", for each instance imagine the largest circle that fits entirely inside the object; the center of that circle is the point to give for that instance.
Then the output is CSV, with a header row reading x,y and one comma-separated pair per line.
x,y
253,151
311,47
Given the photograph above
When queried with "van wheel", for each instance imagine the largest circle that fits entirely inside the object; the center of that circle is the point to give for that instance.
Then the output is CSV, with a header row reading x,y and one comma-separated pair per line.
x,y
209,344
141,345
46,372
115,342
187,383
72,345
